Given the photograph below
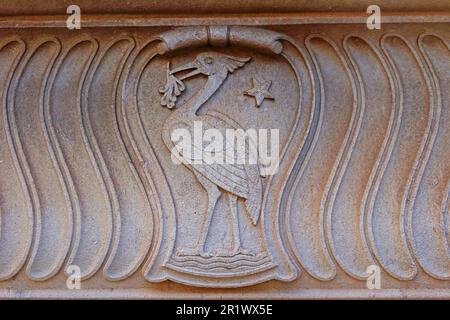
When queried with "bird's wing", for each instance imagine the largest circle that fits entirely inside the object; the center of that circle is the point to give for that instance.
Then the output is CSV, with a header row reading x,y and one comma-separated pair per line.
x,y
212,163
230,177
233,63
230,122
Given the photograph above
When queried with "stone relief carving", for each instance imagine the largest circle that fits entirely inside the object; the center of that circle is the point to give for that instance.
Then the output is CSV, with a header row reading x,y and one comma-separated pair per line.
x,y
86,175
243,254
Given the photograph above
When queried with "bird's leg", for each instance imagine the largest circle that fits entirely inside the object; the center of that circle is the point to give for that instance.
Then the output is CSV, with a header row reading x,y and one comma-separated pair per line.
x,y
236,247
213,197
235,223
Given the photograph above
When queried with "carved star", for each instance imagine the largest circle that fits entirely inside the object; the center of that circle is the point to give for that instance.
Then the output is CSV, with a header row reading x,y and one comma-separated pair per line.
x,y
260,91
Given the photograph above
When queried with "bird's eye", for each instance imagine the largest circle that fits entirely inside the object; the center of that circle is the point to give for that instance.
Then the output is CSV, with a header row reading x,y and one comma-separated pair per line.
x,y
208,60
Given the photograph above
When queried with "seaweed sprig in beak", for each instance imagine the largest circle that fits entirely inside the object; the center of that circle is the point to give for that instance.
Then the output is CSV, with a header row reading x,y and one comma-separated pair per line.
x,y
172,89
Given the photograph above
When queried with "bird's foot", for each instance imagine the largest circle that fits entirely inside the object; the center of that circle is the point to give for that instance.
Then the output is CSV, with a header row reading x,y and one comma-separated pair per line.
x,y
187,252
193,252
205,254
240,250
222,253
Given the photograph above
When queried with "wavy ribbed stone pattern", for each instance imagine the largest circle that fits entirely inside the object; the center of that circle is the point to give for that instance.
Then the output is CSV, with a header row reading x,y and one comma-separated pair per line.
x,y
87,179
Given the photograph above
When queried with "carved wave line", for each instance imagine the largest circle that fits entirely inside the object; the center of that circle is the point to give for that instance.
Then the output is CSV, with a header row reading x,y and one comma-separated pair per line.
x,y
53,150
427,148
45,274
295,150
337,174
59,159
310,142
210,260
325,216
157,202
130,84
314,129
23,256
96,159
222,265
17,151
362,99
221,272
113,192
383,159
31,185
379,169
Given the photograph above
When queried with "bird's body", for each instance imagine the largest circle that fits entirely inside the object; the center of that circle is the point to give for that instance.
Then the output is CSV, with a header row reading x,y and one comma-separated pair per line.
x,y
242,180
237,180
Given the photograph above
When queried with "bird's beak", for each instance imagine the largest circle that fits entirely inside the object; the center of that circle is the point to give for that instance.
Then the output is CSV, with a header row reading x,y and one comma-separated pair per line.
x,y
187,66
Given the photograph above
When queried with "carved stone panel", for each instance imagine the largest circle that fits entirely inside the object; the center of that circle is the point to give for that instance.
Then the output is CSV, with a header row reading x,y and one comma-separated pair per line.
x,y
89,176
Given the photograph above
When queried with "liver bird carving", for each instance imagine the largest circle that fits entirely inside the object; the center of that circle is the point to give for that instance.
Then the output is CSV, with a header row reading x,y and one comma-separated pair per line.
x,y
230,179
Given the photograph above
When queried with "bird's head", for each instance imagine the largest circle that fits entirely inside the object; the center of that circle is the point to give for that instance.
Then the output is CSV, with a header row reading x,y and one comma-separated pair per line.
x,y
214,65
211,64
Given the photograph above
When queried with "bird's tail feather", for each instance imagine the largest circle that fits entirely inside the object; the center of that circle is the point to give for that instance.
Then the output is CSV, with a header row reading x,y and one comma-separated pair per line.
x,y
254,200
